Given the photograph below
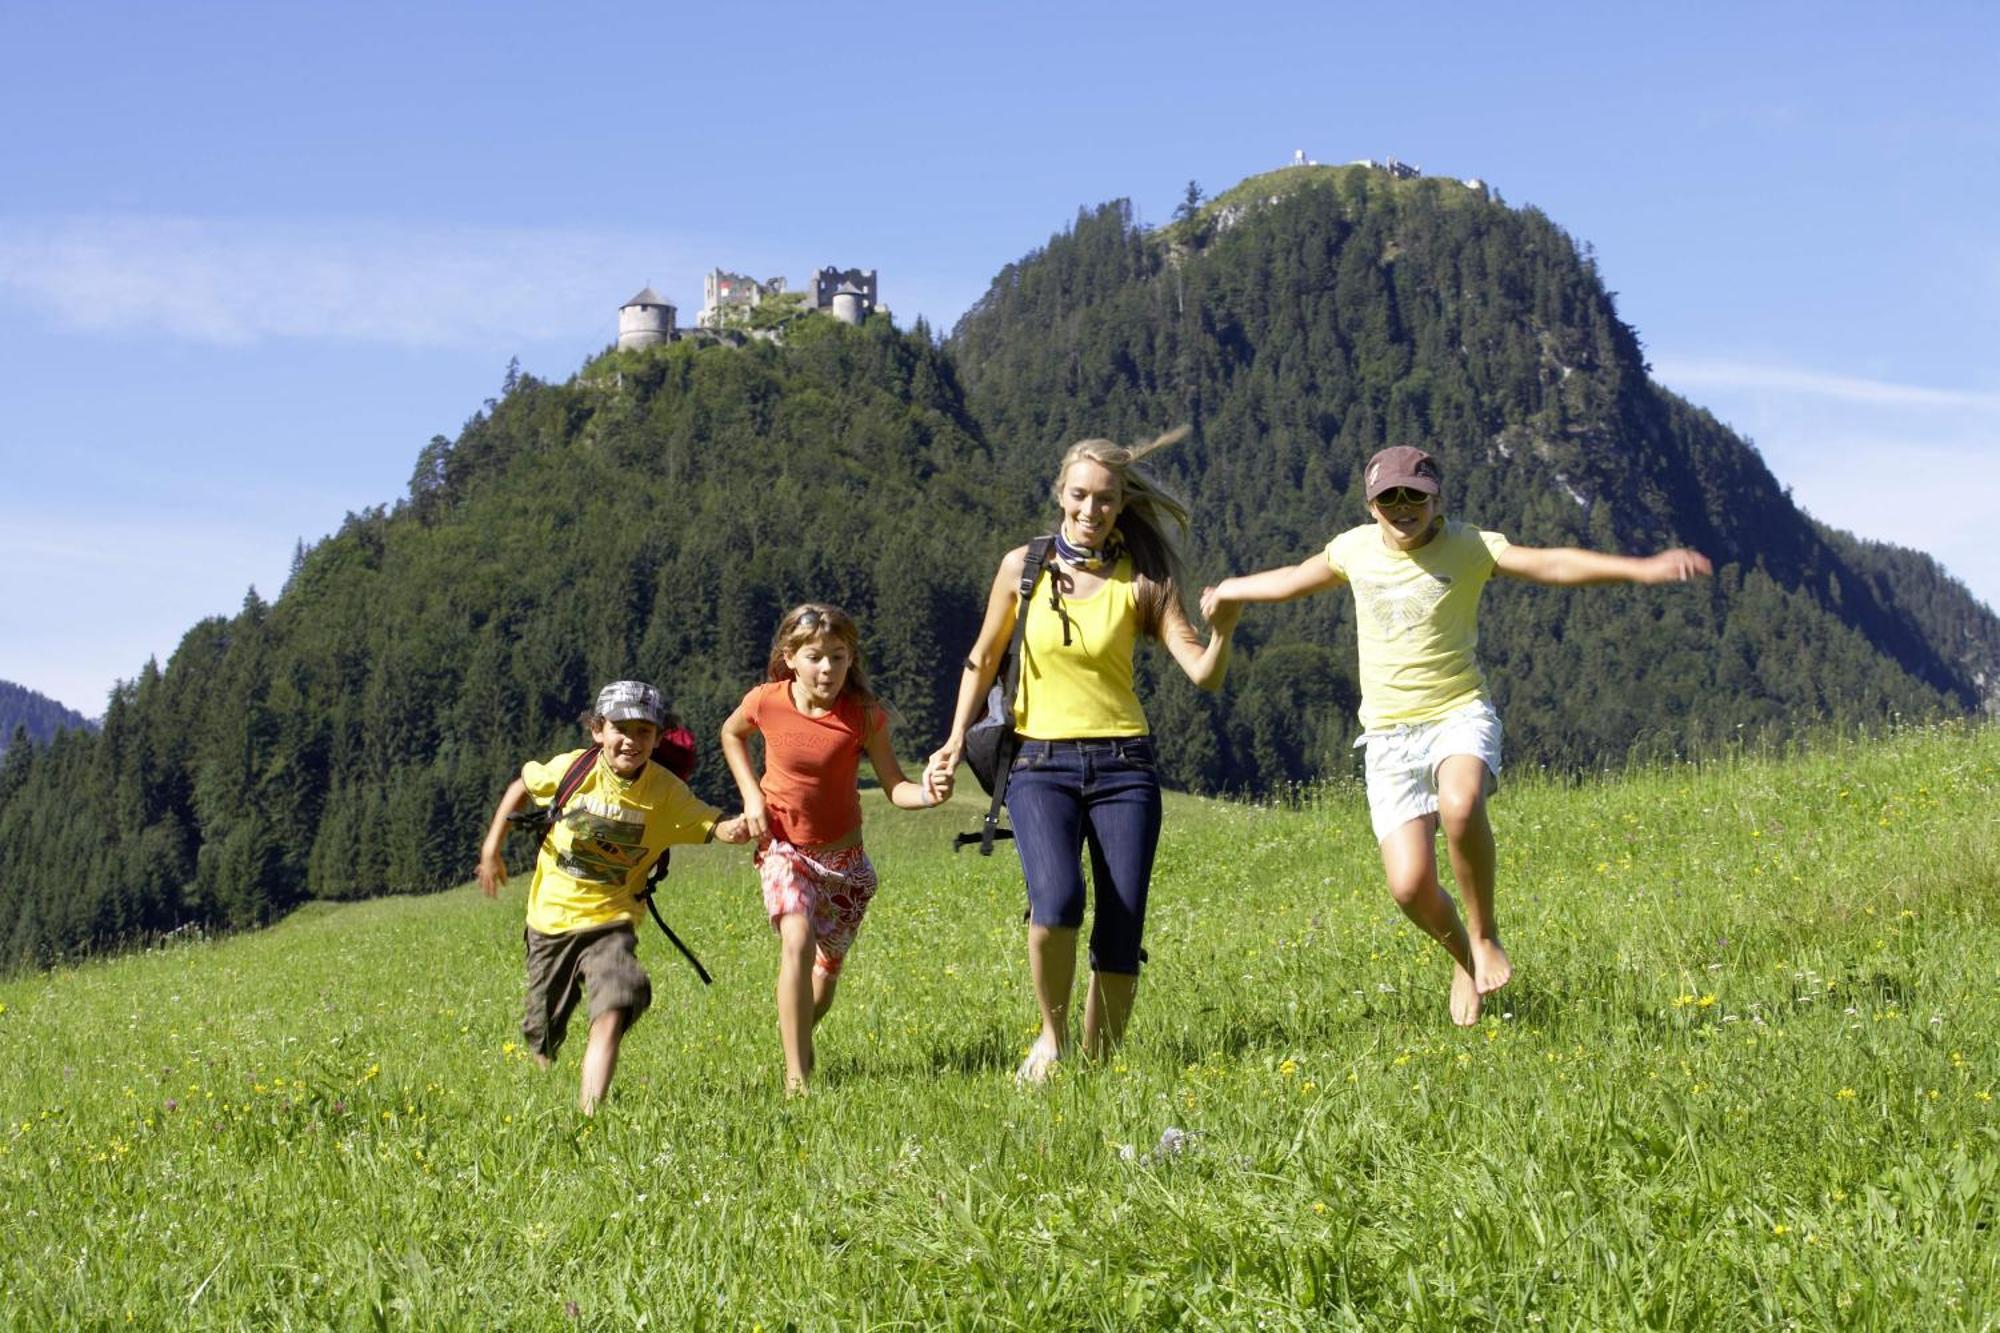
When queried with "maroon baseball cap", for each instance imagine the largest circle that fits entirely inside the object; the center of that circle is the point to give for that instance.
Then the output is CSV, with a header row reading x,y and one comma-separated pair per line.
x,y
1402,465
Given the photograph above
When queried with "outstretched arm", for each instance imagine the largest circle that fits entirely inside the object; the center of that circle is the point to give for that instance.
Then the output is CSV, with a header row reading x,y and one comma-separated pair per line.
x,y
1569,567
1282,584
492,866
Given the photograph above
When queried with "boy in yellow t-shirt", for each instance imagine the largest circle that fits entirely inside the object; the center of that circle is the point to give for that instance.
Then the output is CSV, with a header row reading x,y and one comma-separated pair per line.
x,y
1432,737
583,905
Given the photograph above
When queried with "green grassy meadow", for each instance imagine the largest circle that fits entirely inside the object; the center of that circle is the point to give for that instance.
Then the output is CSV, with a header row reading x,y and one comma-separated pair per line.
x,y
1745,1078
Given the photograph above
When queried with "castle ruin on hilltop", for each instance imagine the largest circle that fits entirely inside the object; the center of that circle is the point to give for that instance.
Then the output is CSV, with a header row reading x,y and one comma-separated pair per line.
x,y
732,302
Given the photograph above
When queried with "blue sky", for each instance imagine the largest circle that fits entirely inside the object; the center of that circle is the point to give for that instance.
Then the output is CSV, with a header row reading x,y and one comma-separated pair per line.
x,y
253,256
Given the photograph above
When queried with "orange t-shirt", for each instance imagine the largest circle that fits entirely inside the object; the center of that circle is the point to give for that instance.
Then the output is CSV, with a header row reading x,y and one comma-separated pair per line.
x,y
812,765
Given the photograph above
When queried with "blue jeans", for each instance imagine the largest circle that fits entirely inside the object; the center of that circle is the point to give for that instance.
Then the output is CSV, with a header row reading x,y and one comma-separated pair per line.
x,y
1062,795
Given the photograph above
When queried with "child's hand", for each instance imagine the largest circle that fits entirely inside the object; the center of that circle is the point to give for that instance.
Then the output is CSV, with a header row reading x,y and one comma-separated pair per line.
x,y
756,819
492,871
734,829
1677,566
1214,603
938,784
1222,616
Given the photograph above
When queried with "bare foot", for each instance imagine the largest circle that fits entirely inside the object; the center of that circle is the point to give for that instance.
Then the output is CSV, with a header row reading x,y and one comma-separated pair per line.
x,y
542,1061
796,1086
1040,1065
1490,965
1464,997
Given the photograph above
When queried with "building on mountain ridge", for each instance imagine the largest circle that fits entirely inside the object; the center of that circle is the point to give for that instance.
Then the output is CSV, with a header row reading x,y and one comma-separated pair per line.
x,y
849,295
646,320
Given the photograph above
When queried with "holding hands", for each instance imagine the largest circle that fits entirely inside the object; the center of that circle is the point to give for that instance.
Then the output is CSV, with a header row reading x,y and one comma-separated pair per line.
x,y
1219,609
939,778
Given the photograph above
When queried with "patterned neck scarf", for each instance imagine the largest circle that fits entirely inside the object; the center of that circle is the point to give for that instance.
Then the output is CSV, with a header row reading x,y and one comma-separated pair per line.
x,y
1083,558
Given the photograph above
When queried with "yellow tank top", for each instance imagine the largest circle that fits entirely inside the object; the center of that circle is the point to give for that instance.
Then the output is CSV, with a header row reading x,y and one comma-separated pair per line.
x,y
1082,689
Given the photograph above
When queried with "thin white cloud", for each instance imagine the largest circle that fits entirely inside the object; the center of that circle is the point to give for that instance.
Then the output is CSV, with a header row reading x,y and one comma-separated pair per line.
x,y
230,282
1700,373
1916,465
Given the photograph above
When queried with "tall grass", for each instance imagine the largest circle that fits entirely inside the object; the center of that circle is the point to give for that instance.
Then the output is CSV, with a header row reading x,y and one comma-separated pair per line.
x,y
1745,1078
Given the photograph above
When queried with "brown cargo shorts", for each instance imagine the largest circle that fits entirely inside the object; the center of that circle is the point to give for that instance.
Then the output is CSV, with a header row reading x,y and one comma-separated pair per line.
x,y
561,968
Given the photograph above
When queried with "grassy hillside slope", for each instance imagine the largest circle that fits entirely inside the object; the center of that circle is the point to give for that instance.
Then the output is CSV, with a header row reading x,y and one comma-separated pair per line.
x,y
1746,1076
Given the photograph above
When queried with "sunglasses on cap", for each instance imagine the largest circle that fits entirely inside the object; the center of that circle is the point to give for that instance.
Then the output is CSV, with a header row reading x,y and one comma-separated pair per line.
x,y
1402,497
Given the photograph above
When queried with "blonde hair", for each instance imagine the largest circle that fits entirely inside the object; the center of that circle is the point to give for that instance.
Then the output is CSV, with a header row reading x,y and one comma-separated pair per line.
x,y
1151,519
806,622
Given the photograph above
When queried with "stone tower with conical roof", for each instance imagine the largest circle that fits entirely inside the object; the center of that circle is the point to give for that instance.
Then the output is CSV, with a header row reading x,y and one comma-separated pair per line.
x,y
645,321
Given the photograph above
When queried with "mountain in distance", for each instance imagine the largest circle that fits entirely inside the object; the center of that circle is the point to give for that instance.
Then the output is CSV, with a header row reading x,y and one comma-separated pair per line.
x,y
1313,315
23,709
656,513
652,517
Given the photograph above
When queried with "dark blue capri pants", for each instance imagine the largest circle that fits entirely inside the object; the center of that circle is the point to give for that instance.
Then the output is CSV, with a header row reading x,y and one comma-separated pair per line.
x,y
1104,793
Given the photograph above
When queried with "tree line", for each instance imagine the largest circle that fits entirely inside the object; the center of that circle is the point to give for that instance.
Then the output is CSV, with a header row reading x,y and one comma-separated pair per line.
x,y
654,515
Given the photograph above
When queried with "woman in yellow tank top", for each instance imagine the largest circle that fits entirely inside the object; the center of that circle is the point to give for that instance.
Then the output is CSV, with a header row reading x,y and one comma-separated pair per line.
x,y
1086,775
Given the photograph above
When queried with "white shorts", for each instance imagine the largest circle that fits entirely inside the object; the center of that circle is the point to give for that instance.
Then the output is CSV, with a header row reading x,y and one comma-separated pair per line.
x,y
1403,762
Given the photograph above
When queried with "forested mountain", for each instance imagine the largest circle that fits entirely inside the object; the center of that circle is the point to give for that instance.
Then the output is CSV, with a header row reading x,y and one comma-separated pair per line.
x,y
35,717
655,514
1311,316
652,517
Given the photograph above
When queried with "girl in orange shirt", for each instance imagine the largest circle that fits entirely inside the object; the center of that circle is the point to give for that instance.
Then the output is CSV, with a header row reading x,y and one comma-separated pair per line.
x,y
818,717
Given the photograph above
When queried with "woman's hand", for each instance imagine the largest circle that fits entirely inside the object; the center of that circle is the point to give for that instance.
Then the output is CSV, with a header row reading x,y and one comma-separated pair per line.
x,y
944,761
1212,600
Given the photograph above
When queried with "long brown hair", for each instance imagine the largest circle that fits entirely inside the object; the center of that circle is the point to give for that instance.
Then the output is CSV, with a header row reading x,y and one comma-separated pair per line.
x,y
806,622
1152,520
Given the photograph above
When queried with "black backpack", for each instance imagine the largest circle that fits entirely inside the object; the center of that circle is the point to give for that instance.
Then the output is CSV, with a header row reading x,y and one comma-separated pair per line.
x,y
991,743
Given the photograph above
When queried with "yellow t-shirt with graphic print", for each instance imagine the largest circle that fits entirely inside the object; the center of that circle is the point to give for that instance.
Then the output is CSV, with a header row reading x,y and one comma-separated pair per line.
x,y
1083,688
595,859
1417,618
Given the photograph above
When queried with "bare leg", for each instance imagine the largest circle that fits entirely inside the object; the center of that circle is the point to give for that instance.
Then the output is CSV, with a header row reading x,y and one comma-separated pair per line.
x,y
823,988
1469,836
795,998
1106,1008
1409,861
600,1059
1052,964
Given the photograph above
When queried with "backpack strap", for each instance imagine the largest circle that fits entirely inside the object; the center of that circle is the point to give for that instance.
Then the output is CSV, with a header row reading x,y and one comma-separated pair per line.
x,y
1010,744
542,818
579,769
572,782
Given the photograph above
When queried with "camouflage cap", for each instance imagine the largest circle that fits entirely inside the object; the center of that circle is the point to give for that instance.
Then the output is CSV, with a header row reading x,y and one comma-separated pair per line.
x,y
629,700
